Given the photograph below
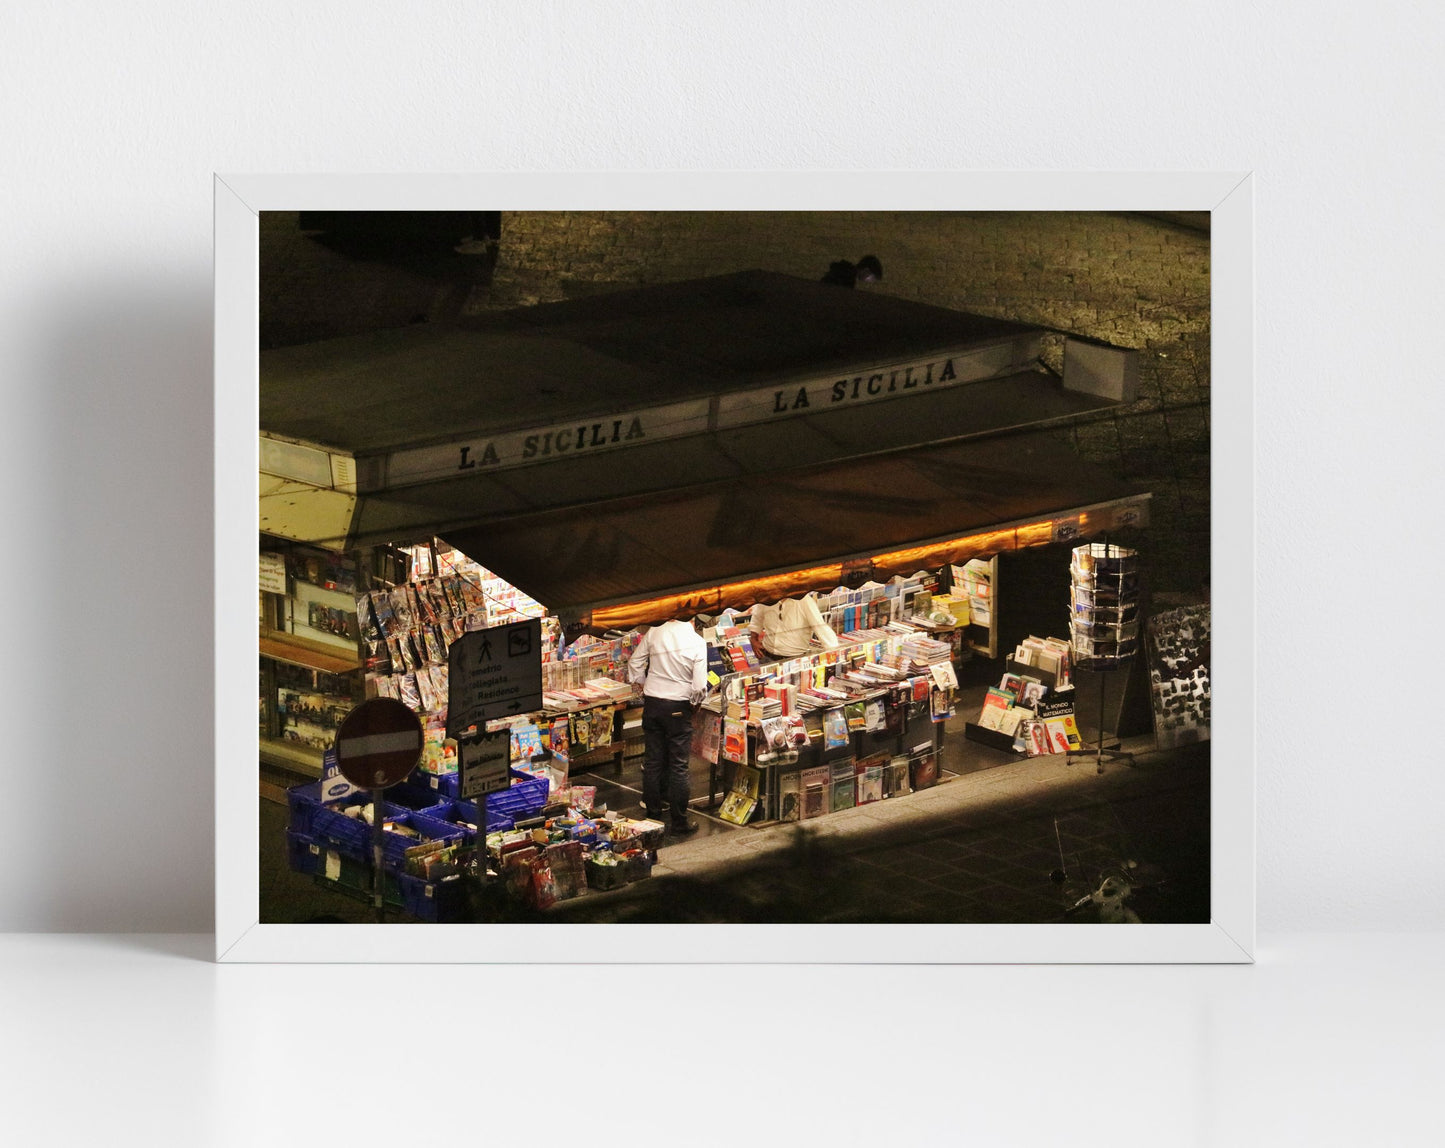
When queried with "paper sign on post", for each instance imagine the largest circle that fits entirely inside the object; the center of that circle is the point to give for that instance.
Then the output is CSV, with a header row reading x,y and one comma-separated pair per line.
x,y
482,764
943,675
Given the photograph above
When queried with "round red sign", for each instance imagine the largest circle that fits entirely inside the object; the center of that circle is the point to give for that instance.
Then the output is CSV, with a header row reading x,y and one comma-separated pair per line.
x,y
379,743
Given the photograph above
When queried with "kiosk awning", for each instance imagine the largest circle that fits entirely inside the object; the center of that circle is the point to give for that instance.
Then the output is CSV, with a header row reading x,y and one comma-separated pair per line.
x,y
771,535
396,436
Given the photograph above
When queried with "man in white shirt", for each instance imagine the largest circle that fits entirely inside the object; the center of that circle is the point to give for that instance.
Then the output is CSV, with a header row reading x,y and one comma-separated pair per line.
x,y
670,663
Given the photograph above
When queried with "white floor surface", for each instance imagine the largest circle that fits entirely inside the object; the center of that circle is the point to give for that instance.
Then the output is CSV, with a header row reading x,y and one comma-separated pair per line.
x,y
119,1040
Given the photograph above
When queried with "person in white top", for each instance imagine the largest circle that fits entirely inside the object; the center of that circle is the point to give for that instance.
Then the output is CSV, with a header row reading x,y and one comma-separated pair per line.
x,y
670,664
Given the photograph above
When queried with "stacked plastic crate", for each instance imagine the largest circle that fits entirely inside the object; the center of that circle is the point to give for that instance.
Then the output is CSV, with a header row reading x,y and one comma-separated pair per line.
x,y
425,844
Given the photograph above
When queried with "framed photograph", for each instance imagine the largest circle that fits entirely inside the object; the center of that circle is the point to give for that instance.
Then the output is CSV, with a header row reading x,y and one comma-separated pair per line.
x,y
529,417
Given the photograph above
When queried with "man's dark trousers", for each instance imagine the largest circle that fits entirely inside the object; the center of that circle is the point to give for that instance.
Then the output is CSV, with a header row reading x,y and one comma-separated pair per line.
x,y
667,730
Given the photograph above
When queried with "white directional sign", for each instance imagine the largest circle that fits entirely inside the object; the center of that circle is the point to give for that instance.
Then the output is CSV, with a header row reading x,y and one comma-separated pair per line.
x,y
494,673
482,767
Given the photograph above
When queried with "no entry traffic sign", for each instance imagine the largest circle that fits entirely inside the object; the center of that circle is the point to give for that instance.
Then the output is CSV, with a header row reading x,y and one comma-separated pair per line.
x,y
379,743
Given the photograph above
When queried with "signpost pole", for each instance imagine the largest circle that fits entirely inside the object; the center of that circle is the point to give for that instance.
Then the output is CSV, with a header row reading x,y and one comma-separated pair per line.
x,y
482,844
492,673
482,763
378,744
378,852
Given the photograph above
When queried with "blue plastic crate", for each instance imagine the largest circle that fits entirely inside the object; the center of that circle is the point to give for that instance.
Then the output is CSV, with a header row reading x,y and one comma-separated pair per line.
x,y
517,803
354,879
352,837
442,784
414,798
441,826
303,801
306,806
303,854
443,900
348,835
394,845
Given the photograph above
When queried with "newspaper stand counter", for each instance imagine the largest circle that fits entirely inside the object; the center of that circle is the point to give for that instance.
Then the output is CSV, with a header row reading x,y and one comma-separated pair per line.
x,y
905,741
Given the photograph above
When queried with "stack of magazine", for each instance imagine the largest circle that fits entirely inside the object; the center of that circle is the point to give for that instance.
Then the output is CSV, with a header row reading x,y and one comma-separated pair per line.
x,y
1039,719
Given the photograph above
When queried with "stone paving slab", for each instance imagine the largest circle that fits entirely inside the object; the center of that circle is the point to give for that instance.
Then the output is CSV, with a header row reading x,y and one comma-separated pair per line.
x,y
979,848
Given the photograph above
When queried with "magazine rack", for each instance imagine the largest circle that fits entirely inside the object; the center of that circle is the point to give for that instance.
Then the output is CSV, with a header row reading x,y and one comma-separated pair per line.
x,y
1103,623
734,685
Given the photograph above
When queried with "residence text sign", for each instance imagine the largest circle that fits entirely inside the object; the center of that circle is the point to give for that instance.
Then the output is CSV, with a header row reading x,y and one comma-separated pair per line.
x,y
494,673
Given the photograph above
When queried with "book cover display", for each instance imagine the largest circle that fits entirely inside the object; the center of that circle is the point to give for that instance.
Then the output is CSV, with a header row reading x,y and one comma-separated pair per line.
x,y
869,776
790,796
1009,723
1057,732
737,808
1056,712
1020,702
816,783
887,668
1036,738
923,768
735,738
895,777
996,703
707,736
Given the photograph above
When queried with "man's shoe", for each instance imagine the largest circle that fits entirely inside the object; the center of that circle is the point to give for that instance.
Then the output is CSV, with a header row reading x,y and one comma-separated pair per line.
x,y
684,828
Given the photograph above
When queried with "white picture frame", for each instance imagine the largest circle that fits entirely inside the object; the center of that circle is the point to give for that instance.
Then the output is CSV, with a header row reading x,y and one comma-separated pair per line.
x,y
1230,935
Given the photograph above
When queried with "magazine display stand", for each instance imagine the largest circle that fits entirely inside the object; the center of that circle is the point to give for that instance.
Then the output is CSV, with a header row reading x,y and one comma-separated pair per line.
x,y
1103,622
977,580
866,750
996,739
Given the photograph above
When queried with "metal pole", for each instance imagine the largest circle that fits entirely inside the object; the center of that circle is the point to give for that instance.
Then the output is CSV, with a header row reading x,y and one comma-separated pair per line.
x,y
378,850
1100,758
482,844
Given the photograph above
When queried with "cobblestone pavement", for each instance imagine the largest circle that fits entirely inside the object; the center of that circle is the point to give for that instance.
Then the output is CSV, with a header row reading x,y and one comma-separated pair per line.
x,y
988,846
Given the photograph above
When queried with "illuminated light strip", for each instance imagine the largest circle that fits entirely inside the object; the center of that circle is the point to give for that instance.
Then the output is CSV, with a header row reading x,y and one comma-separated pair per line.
x,y
774,587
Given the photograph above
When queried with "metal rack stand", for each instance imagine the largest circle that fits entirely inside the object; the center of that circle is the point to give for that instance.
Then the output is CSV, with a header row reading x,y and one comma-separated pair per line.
x,y
1104,623
1101,753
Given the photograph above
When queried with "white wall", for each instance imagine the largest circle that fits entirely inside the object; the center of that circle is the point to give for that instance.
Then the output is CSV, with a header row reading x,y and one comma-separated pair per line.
x,y
112,118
